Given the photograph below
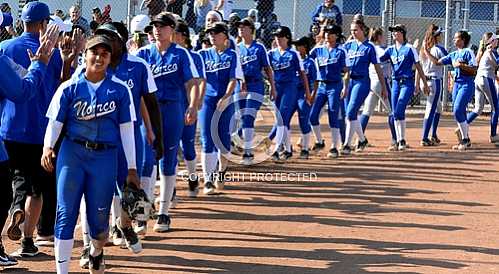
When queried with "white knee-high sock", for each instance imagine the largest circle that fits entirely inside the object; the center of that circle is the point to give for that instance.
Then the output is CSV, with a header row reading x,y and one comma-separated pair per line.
x,y
96,247
84,223
115,209
248,134
144,184
305,141
317,133
191,168
402,129
464,128
398,130
62,250
166,191
223,161
335,137
349,132
280,135
209,163
358,129
287,139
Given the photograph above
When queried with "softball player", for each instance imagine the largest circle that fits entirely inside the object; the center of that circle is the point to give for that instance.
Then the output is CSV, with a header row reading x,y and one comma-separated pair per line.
x,y
331,63
488,62
189,131
403,56
378,39
303,46
218,109
253,59
287,65
174,73
434,76
464,62
360,54
90,104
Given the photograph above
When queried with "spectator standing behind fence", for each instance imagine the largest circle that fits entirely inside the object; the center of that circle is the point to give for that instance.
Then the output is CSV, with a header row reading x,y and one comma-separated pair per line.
x,y
265,9
327,11
154,7
76,19
224,6
175,6
201,9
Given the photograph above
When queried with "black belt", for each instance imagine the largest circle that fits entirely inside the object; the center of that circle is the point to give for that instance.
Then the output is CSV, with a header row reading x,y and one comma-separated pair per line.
x,y
429,78
91,145
330,82
403,80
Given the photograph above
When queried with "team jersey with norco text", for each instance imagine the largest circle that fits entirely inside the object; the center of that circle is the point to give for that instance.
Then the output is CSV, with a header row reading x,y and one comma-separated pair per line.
x,y
26,122
171,70
92,115
465,56
286,65
359,57
385,66
220,69
253,59
430,69
331,62
488,64
402,59
311,70
135,72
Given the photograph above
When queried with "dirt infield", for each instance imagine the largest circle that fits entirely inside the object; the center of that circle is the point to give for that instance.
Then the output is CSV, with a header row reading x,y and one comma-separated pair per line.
x,y
428,210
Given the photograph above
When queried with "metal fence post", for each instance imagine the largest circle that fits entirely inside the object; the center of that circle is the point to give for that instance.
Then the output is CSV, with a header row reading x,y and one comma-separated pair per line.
x,y
466,15
295,15
447,35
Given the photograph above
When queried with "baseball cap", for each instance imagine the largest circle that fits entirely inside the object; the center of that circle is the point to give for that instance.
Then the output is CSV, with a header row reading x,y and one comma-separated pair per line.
x,y
108,28
35,12
283,31
148,29
304,41
165,19
334,29
139,23
398,27
63,26
218,27
5,19
246,22
183,29
97,40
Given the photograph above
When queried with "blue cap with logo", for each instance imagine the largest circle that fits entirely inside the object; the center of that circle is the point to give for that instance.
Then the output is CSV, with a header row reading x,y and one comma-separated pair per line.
x,y
35,12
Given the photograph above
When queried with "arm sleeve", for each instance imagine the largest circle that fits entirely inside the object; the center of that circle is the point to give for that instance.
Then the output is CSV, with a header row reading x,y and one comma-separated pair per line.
x,y
149,83
52,133
315,14
264,58
128,142
470,57
189,70
126,107
415,54
373,58
299,61
239,67
233,66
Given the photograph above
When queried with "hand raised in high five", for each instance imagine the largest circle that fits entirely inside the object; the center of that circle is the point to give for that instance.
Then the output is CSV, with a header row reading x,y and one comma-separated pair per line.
x,y
47,44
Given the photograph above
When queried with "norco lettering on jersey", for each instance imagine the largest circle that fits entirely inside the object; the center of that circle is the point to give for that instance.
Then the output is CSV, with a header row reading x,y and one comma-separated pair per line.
x,y
163,70
85,112
248,59
324,61
215,66
281,65
398,59
354,54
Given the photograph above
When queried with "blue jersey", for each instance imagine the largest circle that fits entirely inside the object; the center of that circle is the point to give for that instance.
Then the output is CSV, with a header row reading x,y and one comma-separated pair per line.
x,y
402,60
171,70
330,62
135,72
26,122
18,88
286,66
311,70
220,70
92,115
359,57
464,56
253,59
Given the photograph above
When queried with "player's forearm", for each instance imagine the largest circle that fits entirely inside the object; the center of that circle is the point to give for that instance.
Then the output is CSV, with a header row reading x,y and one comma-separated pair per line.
x,y
145,115
193,93
304,78
154,114
128,142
